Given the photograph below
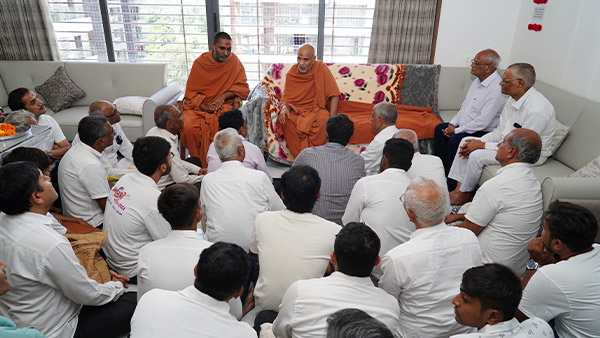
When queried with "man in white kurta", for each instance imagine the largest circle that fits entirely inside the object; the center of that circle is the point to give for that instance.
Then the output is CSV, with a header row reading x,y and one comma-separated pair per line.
x,y
425,272
525,108
383,122
234,195
375,200
307,303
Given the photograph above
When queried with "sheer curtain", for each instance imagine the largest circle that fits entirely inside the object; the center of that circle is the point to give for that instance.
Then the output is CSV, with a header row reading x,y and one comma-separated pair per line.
x,y
402,31
26,31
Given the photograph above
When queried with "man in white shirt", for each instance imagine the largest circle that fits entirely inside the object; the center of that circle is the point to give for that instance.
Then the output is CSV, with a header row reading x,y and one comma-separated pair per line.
x,y
23,98
424,165
383,122
291,244
526,108
425,272
479,113
488,299
506,211
234,195
131,218
254,158
169,122
375,200
49,284
200,310
81,174
307,303
567,291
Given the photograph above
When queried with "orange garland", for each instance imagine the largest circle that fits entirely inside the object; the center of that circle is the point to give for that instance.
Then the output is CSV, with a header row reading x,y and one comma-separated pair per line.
x,y
7,129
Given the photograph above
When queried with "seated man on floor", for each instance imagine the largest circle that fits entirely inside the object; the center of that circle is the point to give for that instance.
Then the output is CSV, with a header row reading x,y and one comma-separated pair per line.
x,y
356,324
383,122
50,286
81,175
307,303
526,108
425,272
567,291
488,299
169,122
424,165
310,97
479,112
131,218
199,310
506,211
234,195
217,83
375,200
291,244
254,158
339,168
23,98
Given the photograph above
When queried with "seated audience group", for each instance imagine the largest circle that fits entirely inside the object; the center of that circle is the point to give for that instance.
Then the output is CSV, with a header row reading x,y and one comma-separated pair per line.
x,y
349,246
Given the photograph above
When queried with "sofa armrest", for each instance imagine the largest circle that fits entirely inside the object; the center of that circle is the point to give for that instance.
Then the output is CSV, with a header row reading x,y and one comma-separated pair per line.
x,y
576,188
163,96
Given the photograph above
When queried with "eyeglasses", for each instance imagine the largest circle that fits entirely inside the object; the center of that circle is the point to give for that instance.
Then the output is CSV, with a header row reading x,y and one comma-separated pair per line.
x,y
473,62
508,80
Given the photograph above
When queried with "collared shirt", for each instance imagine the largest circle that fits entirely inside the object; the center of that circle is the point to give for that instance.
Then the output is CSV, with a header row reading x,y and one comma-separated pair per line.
x,y
185,313
132,220
374,151
49,284
307,304
509,207
231,199
181,171
254,158
168,264
532,111
375,200
57,133
569,292
82,180
530,328
424,274
339,168
480,111
290,246
428,166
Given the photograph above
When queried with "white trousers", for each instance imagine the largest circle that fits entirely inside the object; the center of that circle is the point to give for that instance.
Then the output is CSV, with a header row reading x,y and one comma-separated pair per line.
x,y
468,170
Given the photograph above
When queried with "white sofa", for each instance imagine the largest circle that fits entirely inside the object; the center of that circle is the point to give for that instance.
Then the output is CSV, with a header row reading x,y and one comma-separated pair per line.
x,y
581,145
100,81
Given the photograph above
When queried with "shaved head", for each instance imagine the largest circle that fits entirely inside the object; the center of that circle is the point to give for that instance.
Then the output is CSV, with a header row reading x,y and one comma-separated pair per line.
x,y
306,58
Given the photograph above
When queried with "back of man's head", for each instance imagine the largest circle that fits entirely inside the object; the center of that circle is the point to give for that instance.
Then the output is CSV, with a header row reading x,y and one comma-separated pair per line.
x,y
525,72
387,112
355,323
410,136
300,188
15,98
149,153
221,270
178,204
528,144
91,128
227,143
340,129
231,119
495,286
35,155
427,200
575,226
18,181
399,153
162,114
356,249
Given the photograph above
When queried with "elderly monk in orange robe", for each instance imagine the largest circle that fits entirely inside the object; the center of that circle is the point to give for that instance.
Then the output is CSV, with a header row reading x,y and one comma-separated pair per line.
x,y
310,97
217,83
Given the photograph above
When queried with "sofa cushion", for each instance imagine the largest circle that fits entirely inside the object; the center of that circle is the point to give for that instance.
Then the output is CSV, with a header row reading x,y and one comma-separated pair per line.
x,y
59,91
130,105
591,169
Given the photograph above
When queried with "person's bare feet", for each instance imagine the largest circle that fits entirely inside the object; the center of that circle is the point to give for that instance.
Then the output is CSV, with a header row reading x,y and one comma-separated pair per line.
x,y
458,197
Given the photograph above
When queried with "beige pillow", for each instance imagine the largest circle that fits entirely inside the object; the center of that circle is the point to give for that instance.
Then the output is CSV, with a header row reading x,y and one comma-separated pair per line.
x,y
560,133
130,105
59,91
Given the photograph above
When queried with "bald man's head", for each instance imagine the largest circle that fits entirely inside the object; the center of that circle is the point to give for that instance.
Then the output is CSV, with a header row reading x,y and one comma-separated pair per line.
x,y
306,58
106,109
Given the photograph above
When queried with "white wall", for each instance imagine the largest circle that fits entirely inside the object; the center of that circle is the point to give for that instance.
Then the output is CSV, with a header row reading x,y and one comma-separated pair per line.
x,y
566,53
468,26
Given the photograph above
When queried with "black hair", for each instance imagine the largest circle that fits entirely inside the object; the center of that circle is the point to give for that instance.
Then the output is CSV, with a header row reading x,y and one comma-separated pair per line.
x,y
231,119
222,270
573,224
340,129
300,187
399,153
356,249
149,153
18,180
178,204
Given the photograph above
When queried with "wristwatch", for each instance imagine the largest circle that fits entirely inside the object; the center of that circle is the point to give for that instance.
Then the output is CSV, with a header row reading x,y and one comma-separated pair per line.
x,y
532,265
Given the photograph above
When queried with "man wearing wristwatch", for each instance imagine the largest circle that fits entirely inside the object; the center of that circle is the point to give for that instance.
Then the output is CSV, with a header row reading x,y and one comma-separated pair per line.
x,y
567,291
